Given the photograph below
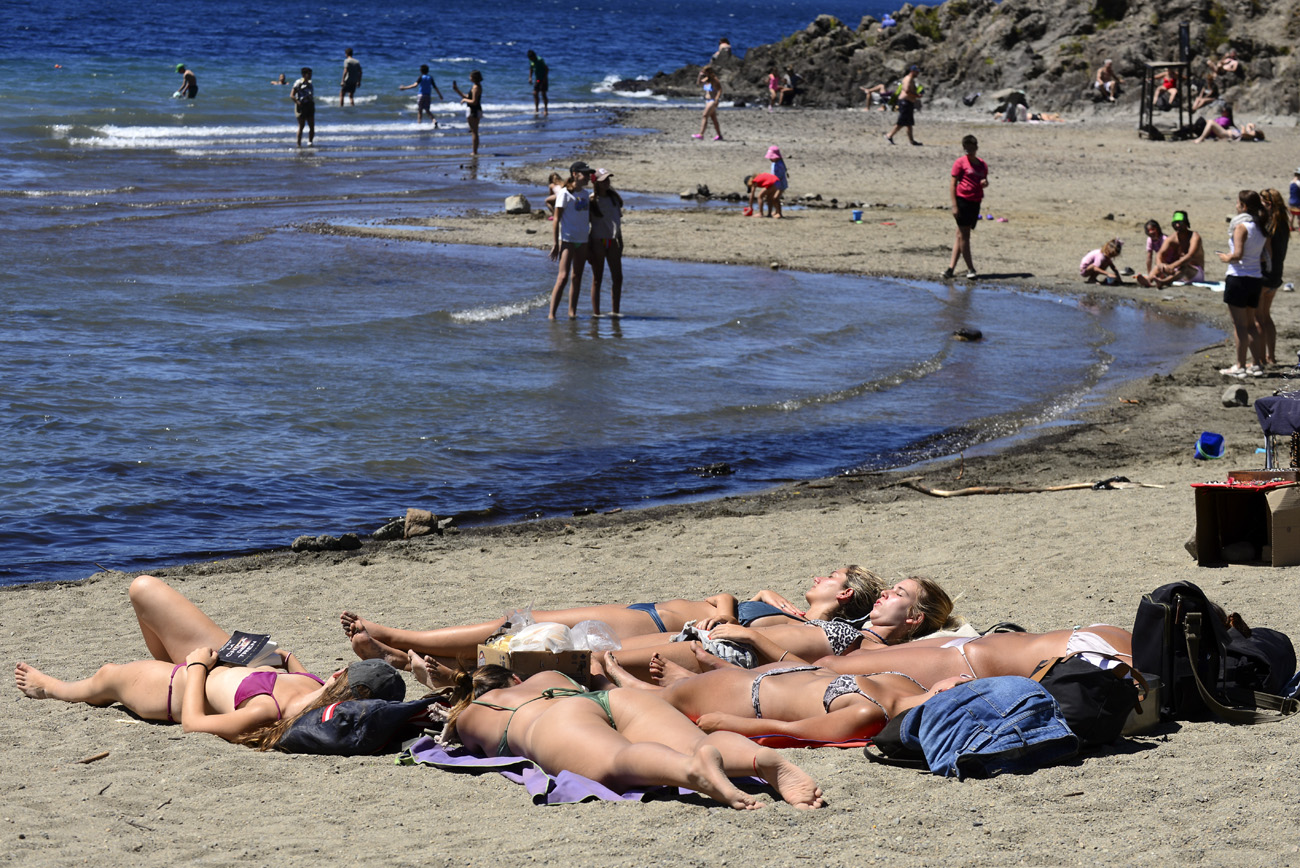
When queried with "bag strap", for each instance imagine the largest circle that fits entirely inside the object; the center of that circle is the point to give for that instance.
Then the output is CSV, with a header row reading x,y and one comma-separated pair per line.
x,y
1283,706
1121,670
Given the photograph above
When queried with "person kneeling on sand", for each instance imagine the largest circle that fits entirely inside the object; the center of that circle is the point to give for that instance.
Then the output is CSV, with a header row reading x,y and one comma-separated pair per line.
x,y
623,739
1181,256
1097,262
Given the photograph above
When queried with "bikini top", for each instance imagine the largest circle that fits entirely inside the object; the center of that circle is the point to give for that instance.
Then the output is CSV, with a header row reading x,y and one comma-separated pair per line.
x,y
263,684
841,634
751,610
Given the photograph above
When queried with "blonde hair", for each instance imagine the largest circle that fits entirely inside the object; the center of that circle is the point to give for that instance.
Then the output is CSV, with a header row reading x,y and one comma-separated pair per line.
x,y
866,587
268,737
935,606
1112,248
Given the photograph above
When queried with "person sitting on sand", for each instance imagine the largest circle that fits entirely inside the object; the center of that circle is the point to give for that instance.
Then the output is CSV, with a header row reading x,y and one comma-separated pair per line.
x,y
1156,239
1209,92
1097,262
1181,256
1108,81
1226,64
914,607
798,701
623,739
876,96
1223,127
766,608
183,682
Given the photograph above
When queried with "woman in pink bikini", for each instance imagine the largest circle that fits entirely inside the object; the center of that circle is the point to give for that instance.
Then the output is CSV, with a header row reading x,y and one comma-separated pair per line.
x,y
184,683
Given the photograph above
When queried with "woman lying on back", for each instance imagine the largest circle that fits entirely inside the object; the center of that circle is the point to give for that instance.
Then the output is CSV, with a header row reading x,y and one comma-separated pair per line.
x,y
184,683
658,620
623,739
914,607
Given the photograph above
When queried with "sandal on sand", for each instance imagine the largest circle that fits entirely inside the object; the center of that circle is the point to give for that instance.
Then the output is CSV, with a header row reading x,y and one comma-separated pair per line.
x,y
1234,371
1254,370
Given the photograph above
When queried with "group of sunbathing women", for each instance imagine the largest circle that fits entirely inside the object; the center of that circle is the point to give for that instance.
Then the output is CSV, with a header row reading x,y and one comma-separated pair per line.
x,y
835,670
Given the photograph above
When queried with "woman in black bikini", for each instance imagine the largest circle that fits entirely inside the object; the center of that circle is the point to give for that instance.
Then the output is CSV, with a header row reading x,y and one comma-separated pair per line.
x,y
857,590
623,739
183,683
473,102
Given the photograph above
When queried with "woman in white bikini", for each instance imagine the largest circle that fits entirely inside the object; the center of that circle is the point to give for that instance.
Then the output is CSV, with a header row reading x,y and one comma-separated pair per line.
x,y
623,739
184,683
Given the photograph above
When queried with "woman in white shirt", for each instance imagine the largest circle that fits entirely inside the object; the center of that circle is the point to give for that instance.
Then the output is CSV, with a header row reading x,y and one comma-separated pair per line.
x,y
1247,246
572,227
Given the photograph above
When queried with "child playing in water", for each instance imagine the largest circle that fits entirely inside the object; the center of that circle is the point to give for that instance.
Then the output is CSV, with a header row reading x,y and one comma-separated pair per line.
x,y
1098,262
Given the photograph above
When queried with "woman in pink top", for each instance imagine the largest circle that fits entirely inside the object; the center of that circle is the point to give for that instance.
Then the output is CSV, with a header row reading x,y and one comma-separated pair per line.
x,y
970,175
184,682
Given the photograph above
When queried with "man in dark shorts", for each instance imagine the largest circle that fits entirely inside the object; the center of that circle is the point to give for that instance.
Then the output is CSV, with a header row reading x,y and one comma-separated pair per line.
x,y
189,82
351,77
909,97
303,95
538,75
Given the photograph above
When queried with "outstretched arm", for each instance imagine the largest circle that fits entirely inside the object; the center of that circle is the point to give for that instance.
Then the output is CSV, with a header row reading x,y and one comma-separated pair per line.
x,y
857,721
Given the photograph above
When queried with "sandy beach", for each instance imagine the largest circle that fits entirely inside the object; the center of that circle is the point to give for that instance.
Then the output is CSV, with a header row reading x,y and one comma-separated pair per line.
x,y
1197,793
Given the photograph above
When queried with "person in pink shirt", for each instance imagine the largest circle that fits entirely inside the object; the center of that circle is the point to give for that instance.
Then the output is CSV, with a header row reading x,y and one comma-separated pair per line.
x,y
970,175
1097,262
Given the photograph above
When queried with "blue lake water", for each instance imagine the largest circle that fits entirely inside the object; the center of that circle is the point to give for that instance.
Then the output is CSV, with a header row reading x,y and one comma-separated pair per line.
x,y
185,372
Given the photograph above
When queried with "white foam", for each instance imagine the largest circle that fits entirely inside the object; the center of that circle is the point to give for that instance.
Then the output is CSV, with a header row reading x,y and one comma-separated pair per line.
x,y
498,312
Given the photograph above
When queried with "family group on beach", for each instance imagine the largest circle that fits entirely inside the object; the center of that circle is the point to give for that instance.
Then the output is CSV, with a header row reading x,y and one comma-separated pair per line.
x,y
676,704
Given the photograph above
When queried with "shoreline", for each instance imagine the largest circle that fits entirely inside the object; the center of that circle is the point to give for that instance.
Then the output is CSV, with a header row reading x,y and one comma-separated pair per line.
x,y
1045,561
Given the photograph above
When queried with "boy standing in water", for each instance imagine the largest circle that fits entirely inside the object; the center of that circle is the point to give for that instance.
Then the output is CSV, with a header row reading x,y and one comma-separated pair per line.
x,y
351,77
427,86
538,76
189,83
303,95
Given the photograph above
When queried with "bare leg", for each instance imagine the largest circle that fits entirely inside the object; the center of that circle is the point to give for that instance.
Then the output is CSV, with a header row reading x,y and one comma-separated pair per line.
x,y
620,676
705,660
367,647
597,260
614,257
140,686
431,673
473,128
562,278
575,288
172,626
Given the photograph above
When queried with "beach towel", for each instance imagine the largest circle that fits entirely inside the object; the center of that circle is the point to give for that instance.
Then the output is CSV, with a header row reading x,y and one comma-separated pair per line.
x,y
566,788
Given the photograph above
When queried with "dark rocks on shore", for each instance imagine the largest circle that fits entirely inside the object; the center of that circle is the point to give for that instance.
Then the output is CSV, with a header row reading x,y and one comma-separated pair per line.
x,y
1051,49
325,543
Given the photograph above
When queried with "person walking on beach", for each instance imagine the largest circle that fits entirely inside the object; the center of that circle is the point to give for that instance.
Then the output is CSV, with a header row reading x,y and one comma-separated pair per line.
x,y
539,77
303,95
189,83
708,80
427,86
473,102
969,177
909,97
571,232
351,77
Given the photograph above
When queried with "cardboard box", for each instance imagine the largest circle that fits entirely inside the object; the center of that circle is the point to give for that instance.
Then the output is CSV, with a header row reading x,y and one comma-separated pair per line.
x,y
1267,517
575,664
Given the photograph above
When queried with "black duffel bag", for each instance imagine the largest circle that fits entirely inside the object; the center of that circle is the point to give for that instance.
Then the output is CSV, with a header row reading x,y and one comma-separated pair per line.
x,y
1095,702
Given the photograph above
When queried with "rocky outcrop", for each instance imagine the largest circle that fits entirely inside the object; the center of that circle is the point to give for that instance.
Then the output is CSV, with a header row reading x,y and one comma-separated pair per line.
x,y
1049,48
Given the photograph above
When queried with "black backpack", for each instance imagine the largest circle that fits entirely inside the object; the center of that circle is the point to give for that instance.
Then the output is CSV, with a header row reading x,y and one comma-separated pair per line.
x,y
1210,664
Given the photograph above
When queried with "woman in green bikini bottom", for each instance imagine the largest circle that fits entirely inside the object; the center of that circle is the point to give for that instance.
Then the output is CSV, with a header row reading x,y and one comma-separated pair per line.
x,y
623,739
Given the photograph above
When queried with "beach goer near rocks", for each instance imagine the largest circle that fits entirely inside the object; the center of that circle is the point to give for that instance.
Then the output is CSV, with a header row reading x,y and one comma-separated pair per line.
x,y
539,76
1181,257
189,88
763,187
708,80
767,608
773,89
724,49
966,183
1096,263
553,185
572,231
473,102
351,77
1209,92
1226,64
793,700
1279,239
1223,127
1247,245
914,607
424,103
1108,82
623,739
782,178
280,80
909,99
183,683
789,87
930,661
875,96
606,241
303,94
1166,95
1294,199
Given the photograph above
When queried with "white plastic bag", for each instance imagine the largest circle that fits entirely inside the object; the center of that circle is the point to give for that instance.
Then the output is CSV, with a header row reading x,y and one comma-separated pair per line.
x,y
594,636
545,636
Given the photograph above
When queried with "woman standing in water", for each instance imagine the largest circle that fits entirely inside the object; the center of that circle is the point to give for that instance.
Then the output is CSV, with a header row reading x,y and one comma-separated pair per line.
x,y
473,102
572,229
606,241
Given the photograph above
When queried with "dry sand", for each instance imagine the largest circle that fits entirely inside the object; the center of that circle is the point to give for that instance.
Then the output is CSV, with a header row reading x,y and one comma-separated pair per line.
x,y
1196,793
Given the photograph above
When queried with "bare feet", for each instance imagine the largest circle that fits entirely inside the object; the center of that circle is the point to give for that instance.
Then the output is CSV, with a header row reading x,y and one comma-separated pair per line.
x,y
430,672
707,776
353,623
32,681
709,661
792,783
367,647
665,672
1142,280
620,676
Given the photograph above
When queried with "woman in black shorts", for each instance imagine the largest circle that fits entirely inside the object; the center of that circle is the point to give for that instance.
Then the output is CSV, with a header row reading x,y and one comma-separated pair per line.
x,y
970,175
1247,241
